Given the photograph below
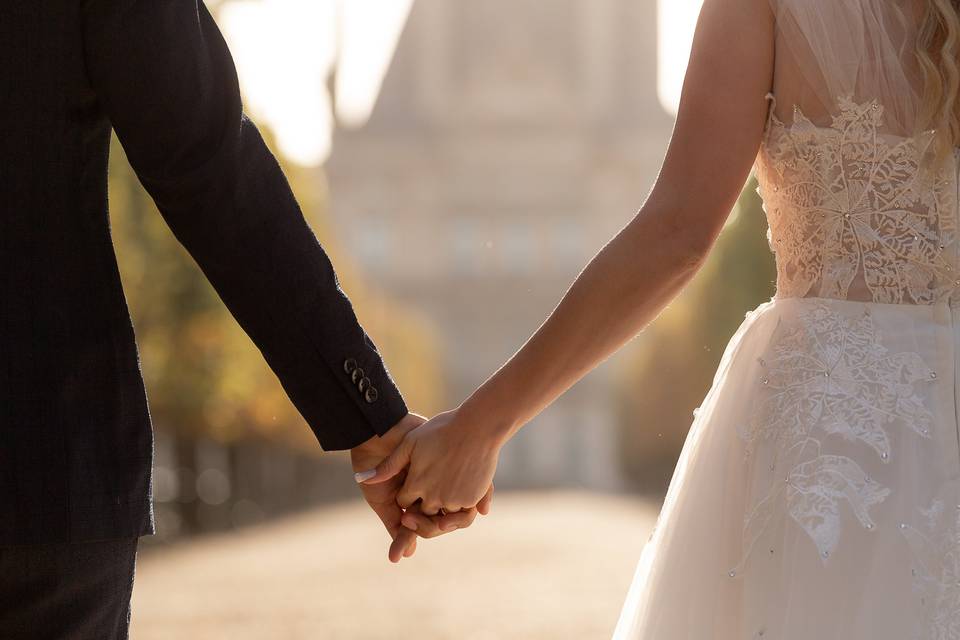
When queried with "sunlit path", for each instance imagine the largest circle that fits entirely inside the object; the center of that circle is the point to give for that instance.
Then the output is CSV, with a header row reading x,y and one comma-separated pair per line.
x,y
552,565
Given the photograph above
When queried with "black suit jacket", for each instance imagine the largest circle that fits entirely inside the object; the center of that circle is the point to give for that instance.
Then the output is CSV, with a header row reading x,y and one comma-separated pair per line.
x,y
75,435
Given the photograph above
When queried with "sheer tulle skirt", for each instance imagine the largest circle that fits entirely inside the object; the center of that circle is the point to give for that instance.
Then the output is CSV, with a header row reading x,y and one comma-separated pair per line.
x,y
817,494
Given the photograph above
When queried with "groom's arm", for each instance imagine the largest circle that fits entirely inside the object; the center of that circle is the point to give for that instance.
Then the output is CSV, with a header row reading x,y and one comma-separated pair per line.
x,y
165,78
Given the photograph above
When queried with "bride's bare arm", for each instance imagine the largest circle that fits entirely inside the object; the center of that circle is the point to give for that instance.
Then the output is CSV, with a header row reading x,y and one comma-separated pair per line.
x,y
715,141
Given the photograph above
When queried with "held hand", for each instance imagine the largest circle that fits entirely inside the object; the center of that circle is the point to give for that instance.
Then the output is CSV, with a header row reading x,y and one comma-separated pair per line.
x,y
437,525
382,497
448,464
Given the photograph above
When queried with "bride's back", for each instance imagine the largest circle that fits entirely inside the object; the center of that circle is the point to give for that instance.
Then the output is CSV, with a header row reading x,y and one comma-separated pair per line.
x,y
861,50
857,204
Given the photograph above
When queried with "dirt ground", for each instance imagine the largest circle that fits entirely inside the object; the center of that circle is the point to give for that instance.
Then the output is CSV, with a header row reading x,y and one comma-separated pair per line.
x,y
541,566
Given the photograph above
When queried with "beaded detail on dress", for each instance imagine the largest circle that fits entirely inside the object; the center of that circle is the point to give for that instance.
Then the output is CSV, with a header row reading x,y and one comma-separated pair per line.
x,y
853,213
827,373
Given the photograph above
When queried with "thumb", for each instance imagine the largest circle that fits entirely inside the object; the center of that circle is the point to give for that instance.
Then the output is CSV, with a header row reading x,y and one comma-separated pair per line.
x,y
393,464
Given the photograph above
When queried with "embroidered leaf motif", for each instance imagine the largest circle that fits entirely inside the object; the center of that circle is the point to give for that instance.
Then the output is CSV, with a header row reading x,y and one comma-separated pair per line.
x,y
848,201
815,490
828,373
831,372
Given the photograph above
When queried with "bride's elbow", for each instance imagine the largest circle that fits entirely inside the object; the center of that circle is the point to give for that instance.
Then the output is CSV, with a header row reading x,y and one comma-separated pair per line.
x,y
693,259
684,245
673,231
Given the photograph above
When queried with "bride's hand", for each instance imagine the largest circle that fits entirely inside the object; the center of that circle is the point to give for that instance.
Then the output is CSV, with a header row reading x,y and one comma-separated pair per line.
x,y
450,462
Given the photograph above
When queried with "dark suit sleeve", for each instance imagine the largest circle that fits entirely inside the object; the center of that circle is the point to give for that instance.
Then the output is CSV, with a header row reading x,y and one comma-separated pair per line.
x,y
165,79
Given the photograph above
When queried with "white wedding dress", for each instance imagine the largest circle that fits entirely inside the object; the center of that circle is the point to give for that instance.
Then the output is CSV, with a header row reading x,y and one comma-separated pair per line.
x,y
817,495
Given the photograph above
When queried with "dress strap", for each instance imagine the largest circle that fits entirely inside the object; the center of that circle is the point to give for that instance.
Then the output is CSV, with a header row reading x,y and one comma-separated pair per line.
x,y
770,109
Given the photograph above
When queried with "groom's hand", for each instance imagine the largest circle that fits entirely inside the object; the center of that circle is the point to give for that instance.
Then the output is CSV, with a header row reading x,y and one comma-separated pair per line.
x,y
382,497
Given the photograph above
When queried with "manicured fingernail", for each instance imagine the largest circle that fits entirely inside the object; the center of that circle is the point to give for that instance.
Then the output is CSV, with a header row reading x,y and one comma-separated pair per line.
x,y
363,476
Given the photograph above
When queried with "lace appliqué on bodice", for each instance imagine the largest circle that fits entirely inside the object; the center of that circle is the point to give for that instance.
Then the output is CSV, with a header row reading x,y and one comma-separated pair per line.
x,y
849,204
827,373
935,546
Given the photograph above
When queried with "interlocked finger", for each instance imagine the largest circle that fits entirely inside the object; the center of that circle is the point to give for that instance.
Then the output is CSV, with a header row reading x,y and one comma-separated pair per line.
x,y
458,520
431,527
431,509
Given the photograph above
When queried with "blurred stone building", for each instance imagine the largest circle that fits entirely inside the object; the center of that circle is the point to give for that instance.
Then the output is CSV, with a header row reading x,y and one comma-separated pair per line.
x,y
510,141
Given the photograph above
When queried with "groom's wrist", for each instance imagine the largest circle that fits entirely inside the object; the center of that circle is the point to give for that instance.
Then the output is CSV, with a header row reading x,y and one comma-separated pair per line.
x,y
380,446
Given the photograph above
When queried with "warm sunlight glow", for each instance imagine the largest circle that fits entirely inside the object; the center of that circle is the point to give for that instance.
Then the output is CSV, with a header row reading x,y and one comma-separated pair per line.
x,y
371,30
284,50
676,22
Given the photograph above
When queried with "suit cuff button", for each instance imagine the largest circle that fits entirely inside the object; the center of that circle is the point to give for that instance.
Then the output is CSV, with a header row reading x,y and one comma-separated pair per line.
x,y
364,384
357,374
371,395
349,365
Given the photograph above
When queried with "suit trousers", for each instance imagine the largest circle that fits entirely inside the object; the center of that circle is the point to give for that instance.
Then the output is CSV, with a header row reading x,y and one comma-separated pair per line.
x,y
67,591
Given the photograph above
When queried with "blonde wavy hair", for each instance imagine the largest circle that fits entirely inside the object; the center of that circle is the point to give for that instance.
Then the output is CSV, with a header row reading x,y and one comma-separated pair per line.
x,y
938,51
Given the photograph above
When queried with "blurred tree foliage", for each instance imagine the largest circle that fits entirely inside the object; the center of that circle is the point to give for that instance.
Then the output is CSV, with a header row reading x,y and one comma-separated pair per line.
x,y
204,376
671,367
